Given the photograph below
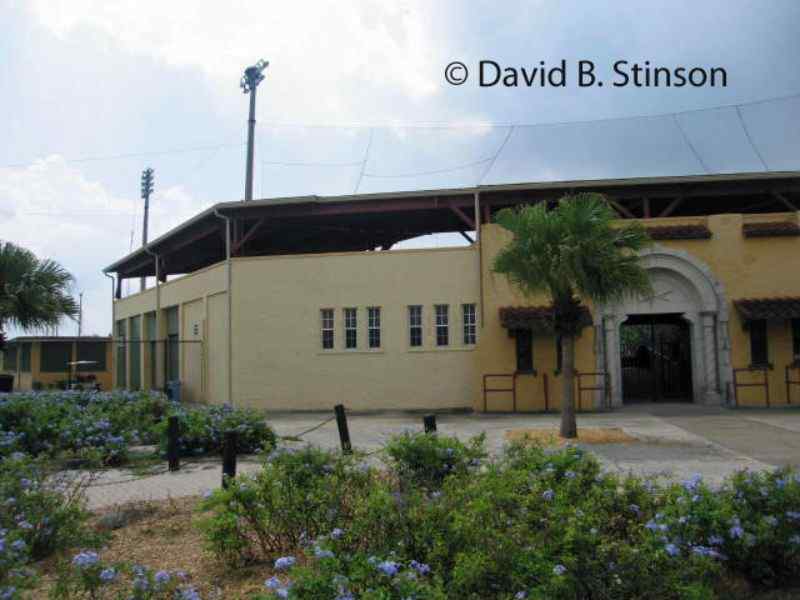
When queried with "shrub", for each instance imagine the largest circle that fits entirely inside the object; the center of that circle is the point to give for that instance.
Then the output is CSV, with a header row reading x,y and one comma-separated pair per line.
x,y
426,459
202,429
87,576
72,422
297,496
41,514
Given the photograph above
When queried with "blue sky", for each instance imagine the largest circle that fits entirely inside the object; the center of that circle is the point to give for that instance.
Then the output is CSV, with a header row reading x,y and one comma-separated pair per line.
x,y
156,84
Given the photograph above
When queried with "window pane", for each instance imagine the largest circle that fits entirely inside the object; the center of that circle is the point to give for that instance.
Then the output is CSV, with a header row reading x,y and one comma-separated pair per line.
x,y
10,358
94,352
121,358
415,325
56,356
796,338
326,315
442,325
374,326
758,342
25,357
469,323
350,328
524,339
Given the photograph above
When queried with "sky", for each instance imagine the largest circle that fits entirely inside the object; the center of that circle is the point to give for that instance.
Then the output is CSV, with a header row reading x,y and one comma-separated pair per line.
x,y
355,99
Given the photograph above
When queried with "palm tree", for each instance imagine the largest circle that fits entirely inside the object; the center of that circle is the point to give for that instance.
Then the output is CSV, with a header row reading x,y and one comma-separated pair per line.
x,y
34,293
574,254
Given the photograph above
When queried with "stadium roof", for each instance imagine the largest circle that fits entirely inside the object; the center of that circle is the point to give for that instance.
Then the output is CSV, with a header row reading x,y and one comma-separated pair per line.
x,y
317,224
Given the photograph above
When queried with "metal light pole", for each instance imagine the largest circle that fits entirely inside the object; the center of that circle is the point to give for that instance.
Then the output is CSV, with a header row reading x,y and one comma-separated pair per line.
x,y
252,77
147,189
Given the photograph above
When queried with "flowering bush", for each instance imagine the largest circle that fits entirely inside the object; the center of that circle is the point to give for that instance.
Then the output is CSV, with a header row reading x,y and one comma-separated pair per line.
x,y
297,496
426,459
75,422
202,429
87,576
533,523
40,514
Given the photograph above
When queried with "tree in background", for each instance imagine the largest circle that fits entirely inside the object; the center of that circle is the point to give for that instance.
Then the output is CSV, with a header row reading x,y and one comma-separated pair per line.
x,y
34,293
573,253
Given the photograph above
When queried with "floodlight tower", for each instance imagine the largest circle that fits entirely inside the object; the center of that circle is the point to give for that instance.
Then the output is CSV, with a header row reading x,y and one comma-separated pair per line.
x,y
252,77
147,189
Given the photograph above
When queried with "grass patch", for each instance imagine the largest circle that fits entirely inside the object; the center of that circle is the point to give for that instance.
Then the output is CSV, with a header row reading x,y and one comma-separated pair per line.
x,y
586,435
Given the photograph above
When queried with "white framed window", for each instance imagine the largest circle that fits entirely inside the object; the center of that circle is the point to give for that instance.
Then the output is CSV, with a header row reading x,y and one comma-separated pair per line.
x,y
415,326
326,318
468,312
350,328
442,312
374,326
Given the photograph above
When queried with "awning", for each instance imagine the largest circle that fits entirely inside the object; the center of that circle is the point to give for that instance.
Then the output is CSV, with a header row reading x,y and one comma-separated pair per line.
x,y
773,229
538,319
752,309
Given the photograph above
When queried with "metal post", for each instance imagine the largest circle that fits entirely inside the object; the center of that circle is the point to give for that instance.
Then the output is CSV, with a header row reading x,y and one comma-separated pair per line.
x,y
430,423
228,457
173,440
251,127
147,189
344,433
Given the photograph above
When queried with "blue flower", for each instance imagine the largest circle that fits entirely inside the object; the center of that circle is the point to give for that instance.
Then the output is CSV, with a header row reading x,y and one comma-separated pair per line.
x,y
559,570
389,568
107,575
419,567
691,484
336,533
795,539
771,521
793,515
189,593
672,549
548,495
285,562
18,545
83,560
282,592
521,595
162,577
569,474
273,583
322,553
715,540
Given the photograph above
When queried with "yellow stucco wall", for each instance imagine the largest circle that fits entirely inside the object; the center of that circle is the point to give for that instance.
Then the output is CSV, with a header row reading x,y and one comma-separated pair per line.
x,y
277,357
747,268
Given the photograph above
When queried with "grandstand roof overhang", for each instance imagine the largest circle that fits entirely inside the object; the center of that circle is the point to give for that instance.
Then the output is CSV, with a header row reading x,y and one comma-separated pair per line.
x,y
318,224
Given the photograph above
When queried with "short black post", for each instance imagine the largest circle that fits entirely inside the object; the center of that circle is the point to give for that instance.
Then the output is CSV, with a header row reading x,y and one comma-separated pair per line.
x,y
228,457
430,423
344,433
173,443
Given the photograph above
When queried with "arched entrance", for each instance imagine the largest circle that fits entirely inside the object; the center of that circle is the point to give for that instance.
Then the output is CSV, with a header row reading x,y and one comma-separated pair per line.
x,y
688,317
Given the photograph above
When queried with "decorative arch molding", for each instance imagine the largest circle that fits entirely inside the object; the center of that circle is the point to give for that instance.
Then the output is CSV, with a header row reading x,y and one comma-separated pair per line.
x,y
684,284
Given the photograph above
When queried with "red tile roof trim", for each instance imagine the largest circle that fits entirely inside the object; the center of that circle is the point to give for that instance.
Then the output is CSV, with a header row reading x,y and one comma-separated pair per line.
x,y
536,318
679,232
768,308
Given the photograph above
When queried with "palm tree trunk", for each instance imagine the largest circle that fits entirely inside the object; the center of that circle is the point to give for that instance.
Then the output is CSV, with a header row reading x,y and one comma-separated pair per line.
x,y
569,428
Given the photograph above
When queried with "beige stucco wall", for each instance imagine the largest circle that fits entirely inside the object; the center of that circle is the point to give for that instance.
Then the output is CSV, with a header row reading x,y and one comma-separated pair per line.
x,y
278,362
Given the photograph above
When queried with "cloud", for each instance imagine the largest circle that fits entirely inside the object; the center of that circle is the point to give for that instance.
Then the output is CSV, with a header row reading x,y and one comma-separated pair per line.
x,y
339,50
52,209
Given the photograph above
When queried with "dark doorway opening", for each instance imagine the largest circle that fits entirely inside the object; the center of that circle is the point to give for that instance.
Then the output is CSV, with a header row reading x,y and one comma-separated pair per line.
x,y
656,359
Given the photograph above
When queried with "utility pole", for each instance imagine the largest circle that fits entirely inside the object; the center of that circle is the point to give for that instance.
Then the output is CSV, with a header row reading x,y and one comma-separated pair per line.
x,y
147,189
252,77
80,314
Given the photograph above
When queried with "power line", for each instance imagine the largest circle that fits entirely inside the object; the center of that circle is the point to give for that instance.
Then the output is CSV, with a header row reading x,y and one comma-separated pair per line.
x,y
496,154
750,139
364,162
689,144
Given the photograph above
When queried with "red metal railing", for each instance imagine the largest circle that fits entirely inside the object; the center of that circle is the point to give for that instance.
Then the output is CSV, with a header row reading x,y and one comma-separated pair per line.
x,y
604,386
512,389
751,369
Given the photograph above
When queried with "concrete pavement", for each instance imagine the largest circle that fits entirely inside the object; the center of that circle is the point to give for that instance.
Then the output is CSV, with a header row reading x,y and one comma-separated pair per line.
x,y
671,440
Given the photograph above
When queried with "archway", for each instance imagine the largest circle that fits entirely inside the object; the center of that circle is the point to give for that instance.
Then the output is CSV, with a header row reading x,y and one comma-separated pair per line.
x,y
685,289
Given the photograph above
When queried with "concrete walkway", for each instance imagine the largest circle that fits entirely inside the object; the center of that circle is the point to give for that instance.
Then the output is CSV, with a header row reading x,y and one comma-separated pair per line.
x,y
671,440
